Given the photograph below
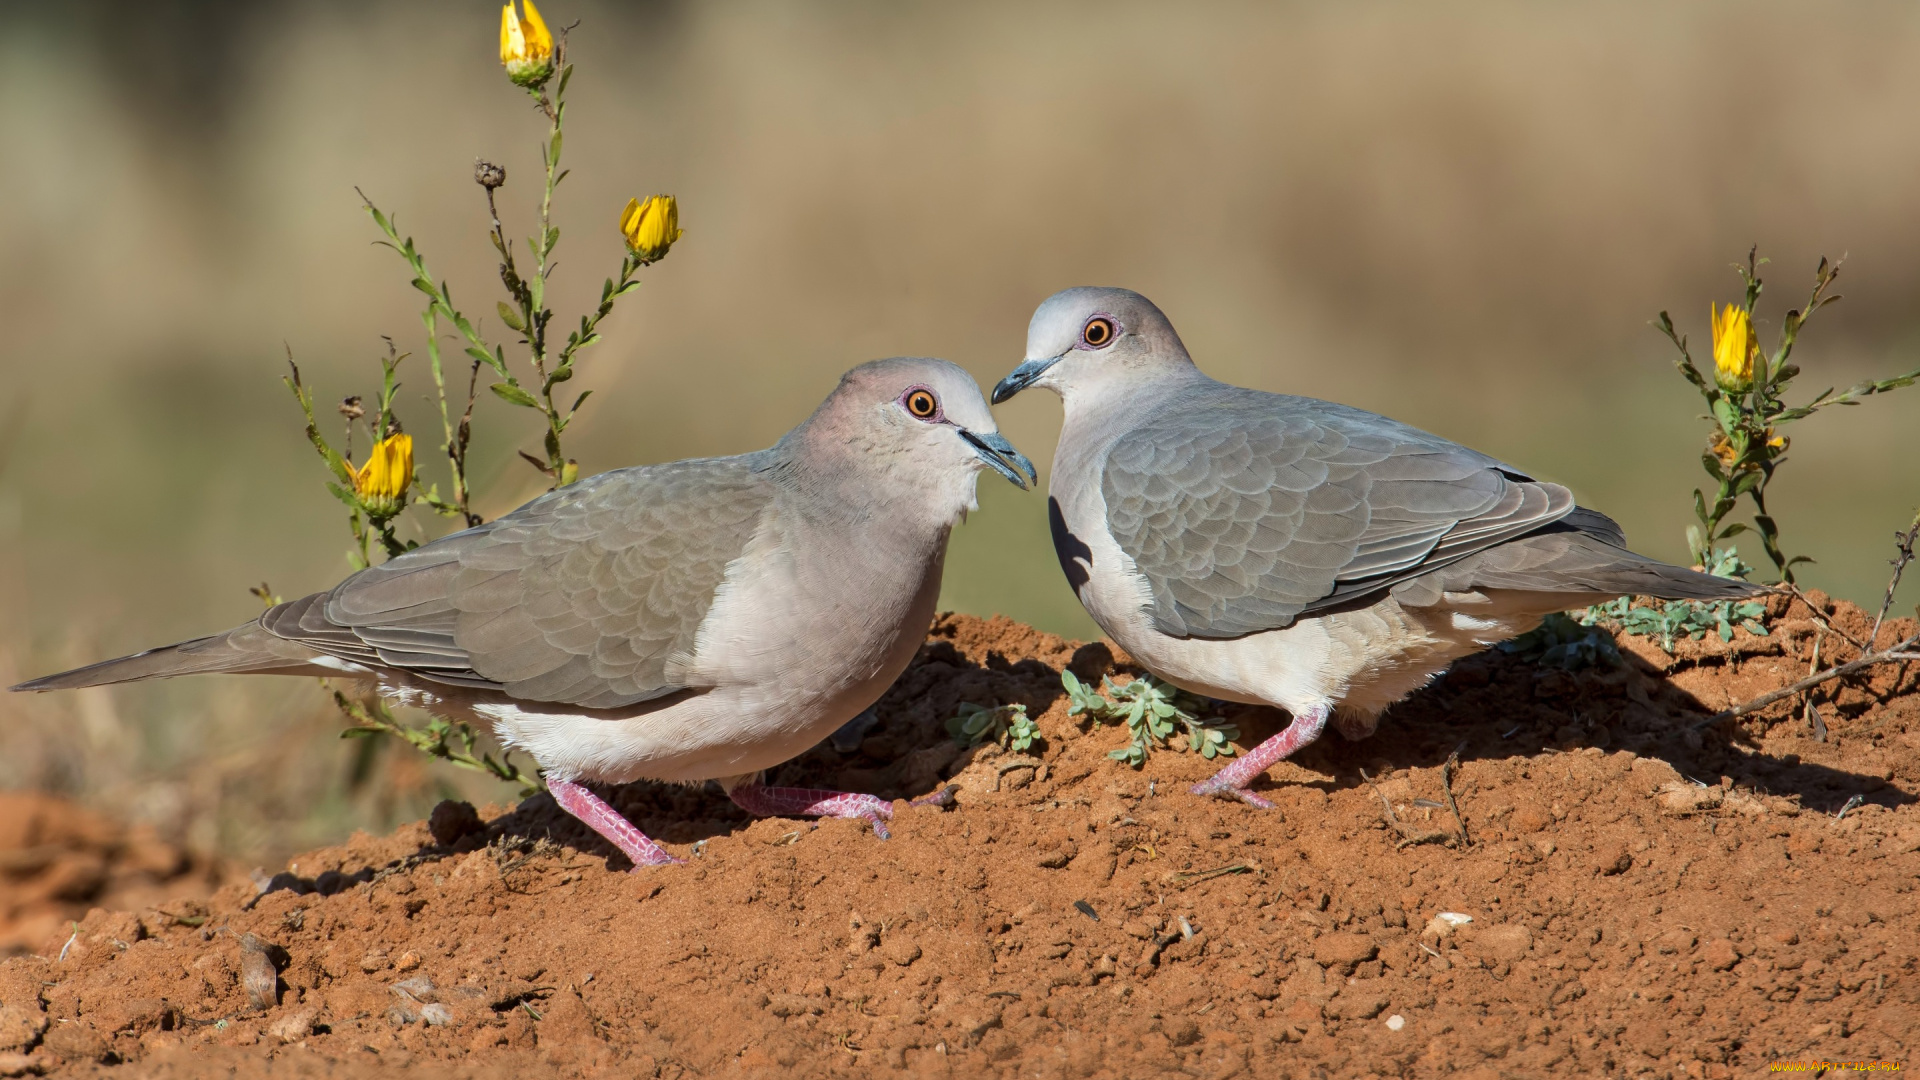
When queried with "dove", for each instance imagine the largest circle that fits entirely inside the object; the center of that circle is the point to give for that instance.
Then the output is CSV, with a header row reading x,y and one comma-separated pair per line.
x,y
698,620
1279,550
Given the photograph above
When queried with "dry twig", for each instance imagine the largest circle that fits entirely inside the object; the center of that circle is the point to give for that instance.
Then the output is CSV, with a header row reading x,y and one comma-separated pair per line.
x,y
1903,543
1899,652
1408,837
1893,653
1446,784
1826,625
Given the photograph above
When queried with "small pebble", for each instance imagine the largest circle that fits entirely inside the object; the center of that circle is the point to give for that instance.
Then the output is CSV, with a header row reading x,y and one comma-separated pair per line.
x,y
294,1026
1396,1022
436,1015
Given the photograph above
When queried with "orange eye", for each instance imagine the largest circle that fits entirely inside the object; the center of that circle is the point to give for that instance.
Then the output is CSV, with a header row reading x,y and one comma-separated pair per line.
x,y
1098,333
921,403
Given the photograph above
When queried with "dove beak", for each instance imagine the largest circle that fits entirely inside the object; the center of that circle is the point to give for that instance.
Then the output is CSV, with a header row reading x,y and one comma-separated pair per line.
x,y
994,449
1022,377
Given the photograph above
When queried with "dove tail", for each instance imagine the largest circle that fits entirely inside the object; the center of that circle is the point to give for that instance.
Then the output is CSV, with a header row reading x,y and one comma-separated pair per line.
x,y
1586,553
248,649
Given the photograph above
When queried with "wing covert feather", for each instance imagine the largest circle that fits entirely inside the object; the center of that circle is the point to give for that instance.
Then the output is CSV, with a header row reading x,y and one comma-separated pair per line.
x,y
1246,510
589,596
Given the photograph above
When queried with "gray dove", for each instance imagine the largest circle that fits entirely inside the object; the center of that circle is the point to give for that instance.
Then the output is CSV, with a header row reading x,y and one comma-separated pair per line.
x,y
1279,550
702,619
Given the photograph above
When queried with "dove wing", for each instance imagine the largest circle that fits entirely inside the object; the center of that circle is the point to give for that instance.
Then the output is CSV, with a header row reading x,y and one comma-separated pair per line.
x,y
588,596
1245,510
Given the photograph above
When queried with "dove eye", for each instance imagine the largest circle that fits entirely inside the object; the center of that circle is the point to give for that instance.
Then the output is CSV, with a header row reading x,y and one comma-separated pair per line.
x,y
921,403
1098,333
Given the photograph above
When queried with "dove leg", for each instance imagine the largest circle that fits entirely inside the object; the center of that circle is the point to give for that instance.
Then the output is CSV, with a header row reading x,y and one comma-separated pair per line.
x,y
594,812
1232,781
762,801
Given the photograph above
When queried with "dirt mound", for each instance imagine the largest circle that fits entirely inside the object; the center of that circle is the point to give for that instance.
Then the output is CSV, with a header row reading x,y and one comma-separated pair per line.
x,y
58,860
1635,899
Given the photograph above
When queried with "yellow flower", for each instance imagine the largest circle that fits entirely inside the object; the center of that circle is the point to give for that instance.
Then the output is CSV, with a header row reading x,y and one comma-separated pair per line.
x,y
526,48
1734,348
651,227
382,482
1776,443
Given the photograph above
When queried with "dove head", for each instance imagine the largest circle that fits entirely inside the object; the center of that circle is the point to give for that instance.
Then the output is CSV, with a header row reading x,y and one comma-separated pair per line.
x,y
909,428
1088,338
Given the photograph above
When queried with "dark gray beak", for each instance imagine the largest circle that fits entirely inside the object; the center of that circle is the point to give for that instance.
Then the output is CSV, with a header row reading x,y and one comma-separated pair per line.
x,y
996,451
1022,377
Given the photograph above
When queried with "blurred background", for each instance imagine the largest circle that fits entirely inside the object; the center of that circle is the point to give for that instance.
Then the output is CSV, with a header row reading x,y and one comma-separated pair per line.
x,y
1464,219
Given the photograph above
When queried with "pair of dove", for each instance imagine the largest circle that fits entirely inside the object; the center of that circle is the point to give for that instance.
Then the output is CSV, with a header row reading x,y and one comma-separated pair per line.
x,y
713,618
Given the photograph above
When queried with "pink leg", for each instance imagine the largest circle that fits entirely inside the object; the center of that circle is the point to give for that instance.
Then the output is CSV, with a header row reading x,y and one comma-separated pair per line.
x,y
608,822
762,801
1232,781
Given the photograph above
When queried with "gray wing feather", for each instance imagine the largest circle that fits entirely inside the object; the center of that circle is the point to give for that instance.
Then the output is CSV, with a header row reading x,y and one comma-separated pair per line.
x,y
1245,510
590,596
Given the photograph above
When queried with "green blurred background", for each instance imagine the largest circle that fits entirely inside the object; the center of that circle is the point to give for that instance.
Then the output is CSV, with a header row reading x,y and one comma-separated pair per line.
x,y
1462,218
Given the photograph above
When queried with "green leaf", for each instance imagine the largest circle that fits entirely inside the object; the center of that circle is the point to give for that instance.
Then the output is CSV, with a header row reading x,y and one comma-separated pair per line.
x,y
362,732
514,394
1726,414
511,318
584,395
344,495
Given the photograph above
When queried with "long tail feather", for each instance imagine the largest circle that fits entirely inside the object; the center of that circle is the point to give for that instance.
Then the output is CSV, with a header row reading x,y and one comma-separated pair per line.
x,y
1586,553
245,649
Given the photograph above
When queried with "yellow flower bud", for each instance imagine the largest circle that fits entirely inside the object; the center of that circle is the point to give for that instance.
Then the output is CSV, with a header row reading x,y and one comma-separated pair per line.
x,y
1734,348
383,481
526,48
651,227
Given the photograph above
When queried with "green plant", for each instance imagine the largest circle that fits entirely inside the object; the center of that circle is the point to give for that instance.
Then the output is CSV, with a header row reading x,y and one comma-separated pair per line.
x,y
1562,641
1670,619
1007,725
1152,710
378,492
1744,399
373,719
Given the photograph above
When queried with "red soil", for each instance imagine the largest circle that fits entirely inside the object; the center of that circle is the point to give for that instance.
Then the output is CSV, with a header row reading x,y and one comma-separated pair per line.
x,y
1625,919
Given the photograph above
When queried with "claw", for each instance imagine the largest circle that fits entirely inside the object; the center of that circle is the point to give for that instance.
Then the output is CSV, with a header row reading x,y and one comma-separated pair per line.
x,y
1227,791
941,799
763,801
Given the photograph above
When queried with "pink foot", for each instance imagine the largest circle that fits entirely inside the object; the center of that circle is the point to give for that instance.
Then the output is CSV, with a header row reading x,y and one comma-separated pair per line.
x,y
608,822
762,801
1231,782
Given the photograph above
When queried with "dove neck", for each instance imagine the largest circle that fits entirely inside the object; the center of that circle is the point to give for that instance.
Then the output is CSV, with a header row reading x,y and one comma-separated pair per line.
x,y
1096,411
892,500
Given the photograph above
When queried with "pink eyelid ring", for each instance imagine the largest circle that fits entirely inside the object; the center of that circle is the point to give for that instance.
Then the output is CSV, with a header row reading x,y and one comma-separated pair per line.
x,y
939,411
1114,331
